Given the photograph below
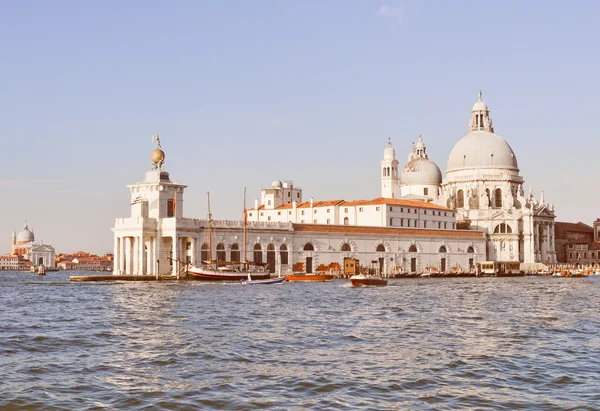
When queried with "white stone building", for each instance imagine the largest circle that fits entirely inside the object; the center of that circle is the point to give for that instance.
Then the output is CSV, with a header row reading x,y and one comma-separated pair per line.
x,y
483,184
390,234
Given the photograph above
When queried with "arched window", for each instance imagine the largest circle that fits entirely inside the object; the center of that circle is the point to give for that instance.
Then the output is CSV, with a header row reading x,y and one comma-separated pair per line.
x,y
308,247
380,248
346,247
470,250
346,221
460,199
257,254
235,253
412,249
498,198
503,229
204,252
443,249
283,254
221,255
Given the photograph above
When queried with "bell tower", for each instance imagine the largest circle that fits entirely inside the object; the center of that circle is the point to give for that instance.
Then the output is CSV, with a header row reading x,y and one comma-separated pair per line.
x,y
389,172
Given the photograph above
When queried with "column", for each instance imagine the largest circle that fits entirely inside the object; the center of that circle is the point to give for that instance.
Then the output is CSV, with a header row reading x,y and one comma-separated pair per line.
x,y
128,262
134,255
157,255
174,240
121,260
115,254
193,250
149,257
141,259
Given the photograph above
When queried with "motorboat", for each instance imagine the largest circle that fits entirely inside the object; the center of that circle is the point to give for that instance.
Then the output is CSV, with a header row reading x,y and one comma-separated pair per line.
x,y
361,280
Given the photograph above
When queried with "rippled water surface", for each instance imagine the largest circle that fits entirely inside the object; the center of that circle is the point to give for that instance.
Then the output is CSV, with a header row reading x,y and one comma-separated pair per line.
x,y
479,343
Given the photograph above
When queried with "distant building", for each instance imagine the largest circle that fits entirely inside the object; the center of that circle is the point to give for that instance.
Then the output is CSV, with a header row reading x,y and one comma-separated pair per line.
x,y
578,244
81,260
24,245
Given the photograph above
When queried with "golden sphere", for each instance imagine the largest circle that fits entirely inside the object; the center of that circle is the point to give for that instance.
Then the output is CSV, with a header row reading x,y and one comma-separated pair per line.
x,y
157,155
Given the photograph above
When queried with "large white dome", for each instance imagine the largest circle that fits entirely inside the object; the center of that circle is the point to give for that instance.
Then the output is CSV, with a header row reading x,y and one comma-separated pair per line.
x,y
482,149
25,236
421,171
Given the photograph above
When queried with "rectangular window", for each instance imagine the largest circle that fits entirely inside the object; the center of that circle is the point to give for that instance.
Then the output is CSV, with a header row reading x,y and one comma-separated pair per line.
x,y
401,222
328,221
377,208
315,211
269,202
425,191
289,194
445,214
425,212
401,209
439,225
345,210
297,195
315,221
328,210
391,220
360,209
302,212
391,208
302,221
424,224
416,211
445,226
289,213
269,218
169,208
279,213
250,214
262,214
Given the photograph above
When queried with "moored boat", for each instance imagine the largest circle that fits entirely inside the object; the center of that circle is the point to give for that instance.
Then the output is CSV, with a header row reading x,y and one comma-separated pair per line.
x,y
361,280
207,274
309,277
254,281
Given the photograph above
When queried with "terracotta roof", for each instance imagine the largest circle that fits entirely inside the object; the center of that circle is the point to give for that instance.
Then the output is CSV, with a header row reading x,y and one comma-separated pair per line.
x,y
416,232
561,229
594,246
306,204
397,201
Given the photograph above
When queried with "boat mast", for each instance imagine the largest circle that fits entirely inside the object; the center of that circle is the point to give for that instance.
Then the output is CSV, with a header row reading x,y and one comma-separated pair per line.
x,y
245,224
209,231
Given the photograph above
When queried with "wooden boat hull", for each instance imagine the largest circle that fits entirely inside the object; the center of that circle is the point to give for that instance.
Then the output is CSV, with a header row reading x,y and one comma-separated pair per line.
x,y
309,277
277,280
195,274
368,281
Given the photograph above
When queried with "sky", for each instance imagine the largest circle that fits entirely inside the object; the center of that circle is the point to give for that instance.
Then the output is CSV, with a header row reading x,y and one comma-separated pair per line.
x,y
243,93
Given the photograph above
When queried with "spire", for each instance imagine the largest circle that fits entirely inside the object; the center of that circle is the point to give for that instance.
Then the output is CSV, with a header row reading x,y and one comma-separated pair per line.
x,y
480,117
420,149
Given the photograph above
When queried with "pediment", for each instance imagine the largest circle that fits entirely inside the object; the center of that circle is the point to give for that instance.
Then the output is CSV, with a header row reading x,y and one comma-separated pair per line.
x,y
503,216
544,212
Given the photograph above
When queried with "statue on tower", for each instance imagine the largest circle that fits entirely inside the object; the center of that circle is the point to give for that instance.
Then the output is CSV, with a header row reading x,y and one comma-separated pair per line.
x,y
157,155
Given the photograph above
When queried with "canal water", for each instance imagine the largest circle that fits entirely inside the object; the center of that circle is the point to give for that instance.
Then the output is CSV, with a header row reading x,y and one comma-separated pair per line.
x,y
473,343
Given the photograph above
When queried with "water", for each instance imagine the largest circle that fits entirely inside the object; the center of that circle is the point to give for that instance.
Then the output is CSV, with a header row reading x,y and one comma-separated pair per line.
x,y
476,343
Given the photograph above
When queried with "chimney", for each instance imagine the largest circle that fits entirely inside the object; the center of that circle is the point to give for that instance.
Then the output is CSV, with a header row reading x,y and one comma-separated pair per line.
x,y
256,203
312,201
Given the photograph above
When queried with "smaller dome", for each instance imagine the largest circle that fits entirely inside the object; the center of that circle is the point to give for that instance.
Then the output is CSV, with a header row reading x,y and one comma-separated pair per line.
x,y
157,155
389,153
25,236
421,171
480,106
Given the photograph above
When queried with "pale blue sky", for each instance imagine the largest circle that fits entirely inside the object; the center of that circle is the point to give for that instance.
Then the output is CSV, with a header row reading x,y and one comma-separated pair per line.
x,y
246,92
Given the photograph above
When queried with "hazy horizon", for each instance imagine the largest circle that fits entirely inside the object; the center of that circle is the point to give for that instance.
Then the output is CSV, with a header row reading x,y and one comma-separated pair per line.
x,y
250,92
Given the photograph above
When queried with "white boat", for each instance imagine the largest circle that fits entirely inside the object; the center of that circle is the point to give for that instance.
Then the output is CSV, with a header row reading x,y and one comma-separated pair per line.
x,y
254,281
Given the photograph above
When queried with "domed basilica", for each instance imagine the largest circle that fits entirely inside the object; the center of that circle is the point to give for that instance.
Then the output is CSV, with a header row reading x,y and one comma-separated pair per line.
x,y
483,185
24,245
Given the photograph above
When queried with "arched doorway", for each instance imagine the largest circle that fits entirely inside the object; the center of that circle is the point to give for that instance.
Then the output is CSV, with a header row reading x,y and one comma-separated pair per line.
x,y
204,252
41,261
443,251
271,258
413,258
257,254
221,254
235,253
471,251
283,254
309,259
380,249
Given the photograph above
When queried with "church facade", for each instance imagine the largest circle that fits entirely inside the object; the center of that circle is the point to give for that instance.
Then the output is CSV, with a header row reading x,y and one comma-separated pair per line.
x,y
24,245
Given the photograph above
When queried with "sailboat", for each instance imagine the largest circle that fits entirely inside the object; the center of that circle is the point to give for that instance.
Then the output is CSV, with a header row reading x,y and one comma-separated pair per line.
x,y
209,270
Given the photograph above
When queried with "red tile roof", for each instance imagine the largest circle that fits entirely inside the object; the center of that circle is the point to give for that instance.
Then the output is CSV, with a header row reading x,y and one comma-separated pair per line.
x,y
397,201
415,232
561,229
